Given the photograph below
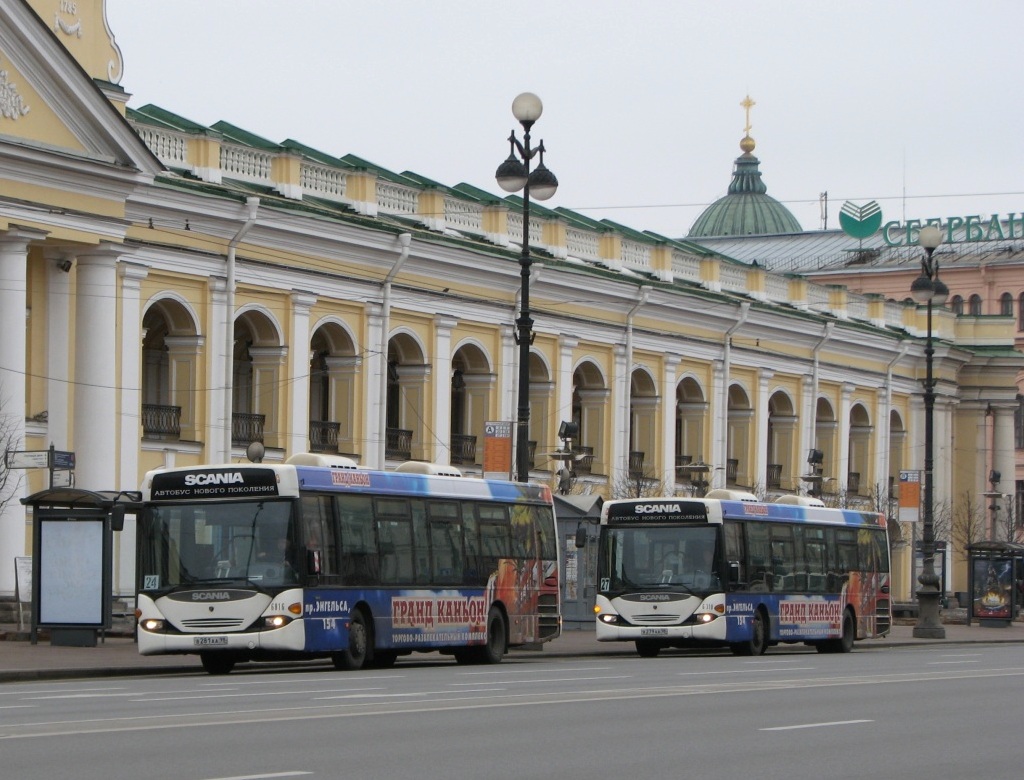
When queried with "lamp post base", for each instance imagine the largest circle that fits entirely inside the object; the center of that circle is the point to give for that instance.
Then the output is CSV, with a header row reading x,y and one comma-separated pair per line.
x,y
929,626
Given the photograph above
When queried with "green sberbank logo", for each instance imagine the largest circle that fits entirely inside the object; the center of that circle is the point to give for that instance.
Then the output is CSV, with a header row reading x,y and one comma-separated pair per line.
x,y
860,221
863,221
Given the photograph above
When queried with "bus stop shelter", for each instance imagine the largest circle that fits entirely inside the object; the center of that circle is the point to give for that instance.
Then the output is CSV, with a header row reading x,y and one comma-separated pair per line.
x,y
72,560
995,574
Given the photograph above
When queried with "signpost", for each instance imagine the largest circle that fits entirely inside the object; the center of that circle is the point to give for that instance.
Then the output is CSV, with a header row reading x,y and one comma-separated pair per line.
x,y
60,463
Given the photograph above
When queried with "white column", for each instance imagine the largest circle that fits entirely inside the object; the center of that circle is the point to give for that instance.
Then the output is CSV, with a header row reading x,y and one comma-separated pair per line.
x,y
669,411
218,425
563,379
13,302
442,426
617,461
759,476
508,387
843,456
1003,449
131,373
298,367
96,411
719,423
58,350
375,388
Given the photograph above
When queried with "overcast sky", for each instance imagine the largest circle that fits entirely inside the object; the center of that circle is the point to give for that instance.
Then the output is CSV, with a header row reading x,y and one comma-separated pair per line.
x,y
913,103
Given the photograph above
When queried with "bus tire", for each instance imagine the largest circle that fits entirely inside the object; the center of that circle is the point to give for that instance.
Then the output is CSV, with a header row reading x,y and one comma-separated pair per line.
x,y
759,636
354,656
845,642
217,663
383,659
645,648
494,651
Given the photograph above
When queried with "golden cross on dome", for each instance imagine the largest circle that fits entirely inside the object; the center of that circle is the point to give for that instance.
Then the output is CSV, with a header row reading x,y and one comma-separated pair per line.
x,y
747,103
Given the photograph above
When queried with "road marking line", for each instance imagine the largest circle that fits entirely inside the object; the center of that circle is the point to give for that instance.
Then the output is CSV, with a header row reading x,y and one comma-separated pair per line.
x,y
261,777
816,725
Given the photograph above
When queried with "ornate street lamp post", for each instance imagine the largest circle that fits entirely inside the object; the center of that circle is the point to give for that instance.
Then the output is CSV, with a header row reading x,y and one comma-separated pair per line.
x,y
514,175
929,289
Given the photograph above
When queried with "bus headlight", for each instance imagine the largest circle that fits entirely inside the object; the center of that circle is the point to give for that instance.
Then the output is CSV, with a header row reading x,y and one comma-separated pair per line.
x,y
609,618
275,621
151,624
703,617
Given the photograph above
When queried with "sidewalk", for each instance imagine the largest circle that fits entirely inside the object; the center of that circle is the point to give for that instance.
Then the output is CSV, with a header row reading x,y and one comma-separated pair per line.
x,y
118,655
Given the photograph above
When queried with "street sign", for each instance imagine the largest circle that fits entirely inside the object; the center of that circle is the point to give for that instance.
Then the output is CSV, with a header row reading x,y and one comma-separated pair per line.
x,y
63,479
63,460
28,459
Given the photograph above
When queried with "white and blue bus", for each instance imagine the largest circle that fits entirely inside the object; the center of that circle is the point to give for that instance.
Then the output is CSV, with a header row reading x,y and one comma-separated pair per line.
x,y
317,558
730,571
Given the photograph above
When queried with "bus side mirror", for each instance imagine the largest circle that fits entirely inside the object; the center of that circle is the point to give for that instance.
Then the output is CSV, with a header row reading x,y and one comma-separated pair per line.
x,y
117,518
734,572
581,536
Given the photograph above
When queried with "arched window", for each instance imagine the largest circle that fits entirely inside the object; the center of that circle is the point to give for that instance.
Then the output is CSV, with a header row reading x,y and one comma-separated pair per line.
x,y
1006,304
957,305
975,305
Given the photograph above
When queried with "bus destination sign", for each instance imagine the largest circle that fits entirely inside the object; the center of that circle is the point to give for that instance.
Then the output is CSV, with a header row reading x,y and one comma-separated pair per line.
x,y
215,483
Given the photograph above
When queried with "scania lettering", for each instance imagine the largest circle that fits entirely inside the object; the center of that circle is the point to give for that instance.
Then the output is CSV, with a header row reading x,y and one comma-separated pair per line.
x,y
729,571
317,558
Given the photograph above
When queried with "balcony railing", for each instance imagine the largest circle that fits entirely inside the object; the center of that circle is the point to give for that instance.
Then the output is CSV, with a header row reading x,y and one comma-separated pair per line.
x,y
323,436
584,459
246,428
636,465
463,449
161,422
853,482
398,444
732,470
774,476
682,462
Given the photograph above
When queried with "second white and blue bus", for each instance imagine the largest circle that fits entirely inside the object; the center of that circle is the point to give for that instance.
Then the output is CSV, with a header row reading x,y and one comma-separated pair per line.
x,y
730,571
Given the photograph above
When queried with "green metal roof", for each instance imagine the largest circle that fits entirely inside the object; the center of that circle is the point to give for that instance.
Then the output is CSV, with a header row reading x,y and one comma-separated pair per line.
x,y
747,209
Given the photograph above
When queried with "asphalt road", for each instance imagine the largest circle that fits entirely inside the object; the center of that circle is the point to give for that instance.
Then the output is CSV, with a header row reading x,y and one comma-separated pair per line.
x,y
943,711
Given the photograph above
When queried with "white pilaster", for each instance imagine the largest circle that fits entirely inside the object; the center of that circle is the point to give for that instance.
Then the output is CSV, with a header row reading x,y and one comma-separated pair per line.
x,y
297,439
13,288
97,426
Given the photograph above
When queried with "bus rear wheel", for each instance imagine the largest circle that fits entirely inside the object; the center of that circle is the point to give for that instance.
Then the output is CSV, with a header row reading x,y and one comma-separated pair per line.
x,y
491,652
217,663
757,644
845,642
354,656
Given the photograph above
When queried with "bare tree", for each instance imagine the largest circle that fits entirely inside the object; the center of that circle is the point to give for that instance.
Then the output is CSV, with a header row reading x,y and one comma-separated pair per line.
x,y
10,479
640,484
967,523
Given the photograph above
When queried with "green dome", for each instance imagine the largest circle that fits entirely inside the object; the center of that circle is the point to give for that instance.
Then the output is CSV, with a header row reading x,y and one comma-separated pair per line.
x,y
747,210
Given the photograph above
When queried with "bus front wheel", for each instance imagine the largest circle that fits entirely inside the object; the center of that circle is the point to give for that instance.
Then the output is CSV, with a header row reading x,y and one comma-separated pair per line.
x,y
217,663
757,644
645,648
353,657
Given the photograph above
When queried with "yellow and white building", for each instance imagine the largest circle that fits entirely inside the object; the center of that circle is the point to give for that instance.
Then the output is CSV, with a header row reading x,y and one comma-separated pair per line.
x,y
170,293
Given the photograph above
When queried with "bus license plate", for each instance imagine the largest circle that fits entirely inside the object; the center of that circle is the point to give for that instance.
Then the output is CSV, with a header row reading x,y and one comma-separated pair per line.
x,y
210,641
653,632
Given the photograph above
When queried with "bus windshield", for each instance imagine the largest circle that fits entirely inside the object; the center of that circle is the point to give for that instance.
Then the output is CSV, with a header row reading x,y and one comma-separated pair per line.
x,y
251,541
641,557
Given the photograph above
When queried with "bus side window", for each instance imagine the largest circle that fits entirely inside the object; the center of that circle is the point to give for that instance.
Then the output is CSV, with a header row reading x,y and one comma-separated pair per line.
x,y
495,542
759,550
359,558
318,536
445,542
735,555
